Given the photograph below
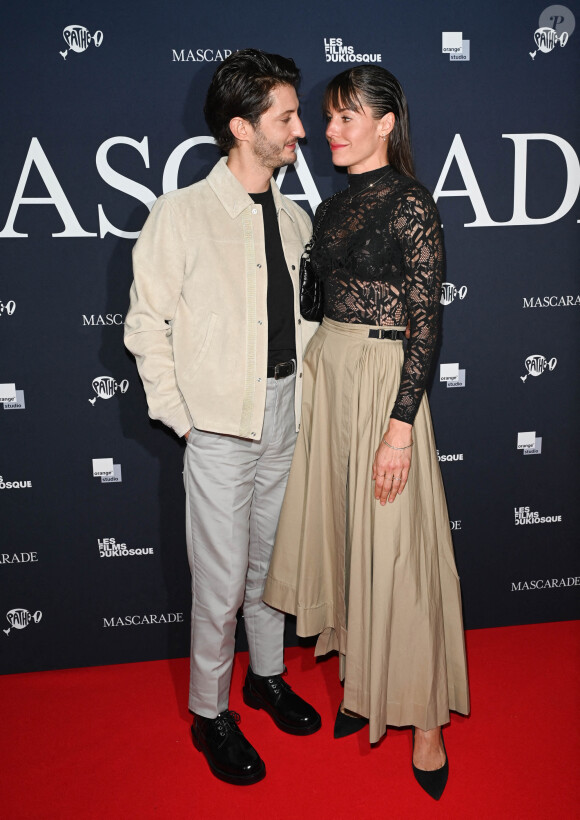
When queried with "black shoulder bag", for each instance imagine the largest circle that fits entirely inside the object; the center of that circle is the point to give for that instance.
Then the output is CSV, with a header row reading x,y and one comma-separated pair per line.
x,y
311,288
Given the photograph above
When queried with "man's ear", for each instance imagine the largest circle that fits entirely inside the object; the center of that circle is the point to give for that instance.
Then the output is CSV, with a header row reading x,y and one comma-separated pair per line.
x,y
240,128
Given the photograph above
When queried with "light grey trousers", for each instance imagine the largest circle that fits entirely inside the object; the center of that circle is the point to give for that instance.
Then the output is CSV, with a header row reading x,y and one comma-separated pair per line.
x,y
234,490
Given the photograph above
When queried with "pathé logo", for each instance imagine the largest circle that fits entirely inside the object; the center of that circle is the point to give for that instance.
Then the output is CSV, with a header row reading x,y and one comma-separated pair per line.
x,y
536,364
78,38
105,387
449,292
20,618
546,38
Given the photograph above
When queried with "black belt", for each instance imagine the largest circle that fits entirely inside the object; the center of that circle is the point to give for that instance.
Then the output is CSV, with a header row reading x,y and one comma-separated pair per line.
x,y
281,371
386,333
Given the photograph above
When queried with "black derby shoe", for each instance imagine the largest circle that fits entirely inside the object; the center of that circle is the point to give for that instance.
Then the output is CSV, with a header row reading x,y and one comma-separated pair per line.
x,y
288,711
229,755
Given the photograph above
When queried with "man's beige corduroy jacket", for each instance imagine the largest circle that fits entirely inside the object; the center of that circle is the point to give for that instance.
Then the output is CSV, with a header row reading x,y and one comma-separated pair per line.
x,y
197,323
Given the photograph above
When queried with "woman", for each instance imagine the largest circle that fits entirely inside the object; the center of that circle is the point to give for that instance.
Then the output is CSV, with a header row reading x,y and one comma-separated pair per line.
x,y
363,554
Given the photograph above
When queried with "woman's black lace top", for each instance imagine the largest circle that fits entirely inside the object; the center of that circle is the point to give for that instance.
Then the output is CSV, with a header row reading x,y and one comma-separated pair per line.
x,y
379,252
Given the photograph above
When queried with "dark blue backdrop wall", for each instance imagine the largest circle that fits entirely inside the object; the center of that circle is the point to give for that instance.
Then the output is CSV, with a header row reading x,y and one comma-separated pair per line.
x,y
101,113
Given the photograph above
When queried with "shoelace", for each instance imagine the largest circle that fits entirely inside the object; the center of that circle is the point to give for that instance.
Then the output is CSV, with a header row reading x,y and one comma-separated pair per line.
x,y
279,685
227,722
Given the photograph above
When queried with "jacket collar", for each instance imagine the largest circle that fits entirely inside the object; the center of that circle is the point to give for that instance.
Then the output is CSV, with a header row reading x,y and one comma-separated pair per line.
x,y
232,194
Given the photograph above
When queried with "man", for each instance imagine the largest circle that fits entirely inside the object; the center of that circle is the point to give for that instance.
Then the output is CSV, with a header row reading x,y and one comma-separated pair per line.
x,y
215,327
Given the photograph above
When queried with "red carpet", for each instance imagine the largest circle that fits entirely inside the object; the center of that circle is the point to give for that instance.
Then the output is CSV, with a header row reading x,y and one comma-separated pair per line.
x,y
113,742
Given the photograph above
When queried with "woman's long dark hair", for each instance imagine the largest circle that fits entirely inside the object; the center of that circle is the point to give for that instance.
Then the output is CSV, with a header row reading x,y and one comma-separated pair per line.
x,y
378,89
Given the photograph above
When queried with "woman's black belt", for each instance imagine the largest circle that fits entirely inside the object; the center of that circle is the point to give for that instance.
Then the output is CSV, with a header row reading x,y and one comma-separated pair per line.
x,y
386,333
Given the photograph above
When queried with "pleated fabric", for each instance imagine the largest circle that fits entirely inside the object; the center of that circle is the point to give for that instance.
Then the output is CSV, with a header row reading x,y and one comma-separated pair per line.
x,y
378,584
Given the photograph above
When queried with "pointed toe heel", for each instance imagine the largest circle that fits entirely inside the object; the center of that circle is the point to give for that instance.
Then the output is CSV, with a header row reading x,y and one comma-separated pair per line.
x,y
345,725
432,782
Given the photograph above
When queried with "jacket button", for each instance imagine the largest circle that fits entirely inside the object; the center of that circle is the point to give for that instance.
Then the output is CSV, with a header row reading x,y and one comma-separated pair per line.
x,y
293,267
258,265
254,211
299,321
259,378
301,375
252,434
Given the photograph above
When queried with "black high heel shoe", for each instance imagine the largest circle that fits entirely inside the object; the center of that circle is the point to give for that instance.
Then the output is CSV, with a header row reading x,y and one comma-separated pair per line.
x,y
433,782
345,725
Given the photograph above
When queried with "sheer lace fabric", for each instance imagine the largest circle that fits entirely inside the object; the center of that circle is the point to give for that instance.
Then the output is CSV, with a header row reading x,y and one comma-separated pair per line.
x,y
379,252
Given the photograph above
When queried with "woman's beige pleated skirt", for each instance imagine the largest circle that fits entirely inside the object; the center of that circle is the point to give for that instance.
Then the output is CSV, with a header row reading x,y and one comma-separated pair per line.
x,y
377,583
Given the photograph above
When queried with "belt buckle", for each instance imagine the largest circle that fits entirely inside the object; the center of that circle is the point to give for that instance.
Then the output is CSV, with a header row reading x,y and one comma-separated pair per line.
x,y
383,333
388,333
283,369
378,333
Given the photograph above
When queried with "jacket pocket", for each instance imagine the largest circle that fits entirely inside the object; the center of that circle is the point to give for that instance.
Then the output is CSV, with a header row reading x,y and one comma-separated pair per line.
x,y
201,354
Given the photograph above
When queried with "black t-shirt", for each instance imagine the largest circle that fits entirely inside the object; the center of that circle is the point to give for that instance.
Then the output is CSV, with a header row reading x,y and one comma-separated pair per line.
x,y
281,331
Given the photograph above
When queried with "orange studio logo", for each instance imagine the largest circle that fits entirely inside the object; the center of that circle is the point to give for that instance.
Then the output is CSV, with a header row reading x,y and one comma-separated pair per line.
x,y
79,38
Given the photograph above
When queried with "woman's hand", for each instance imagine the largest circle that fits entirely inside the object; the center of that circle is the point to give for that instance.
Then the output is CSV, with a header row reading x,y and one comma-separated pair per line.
x,y
391,467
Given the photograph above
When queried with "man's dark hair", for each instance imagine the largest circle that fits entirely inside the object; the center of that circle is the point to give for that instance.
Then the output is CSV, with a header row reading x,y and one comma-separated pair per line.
x,y
241,87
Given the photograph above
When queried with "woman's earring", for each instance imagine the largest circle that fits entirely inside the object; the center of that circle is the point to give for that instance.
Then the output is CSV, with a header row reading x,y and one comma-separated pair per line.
x,y
384,136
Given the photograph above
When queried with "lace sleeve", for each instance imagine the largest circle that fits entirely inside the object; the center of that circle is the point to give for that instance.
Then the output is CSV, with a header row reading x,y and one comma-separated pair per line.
x,y
417,225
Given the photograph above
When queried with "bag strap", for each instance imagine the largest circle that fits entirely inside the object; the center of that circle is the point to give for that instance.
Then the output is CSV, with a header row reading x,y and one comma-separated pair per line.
x,y
318,220
320,214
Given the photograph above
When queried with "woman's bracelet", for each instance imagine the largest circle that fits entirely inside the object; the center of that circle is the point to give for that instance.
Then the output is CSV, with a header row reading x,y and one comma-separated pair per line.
x,y
397,448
